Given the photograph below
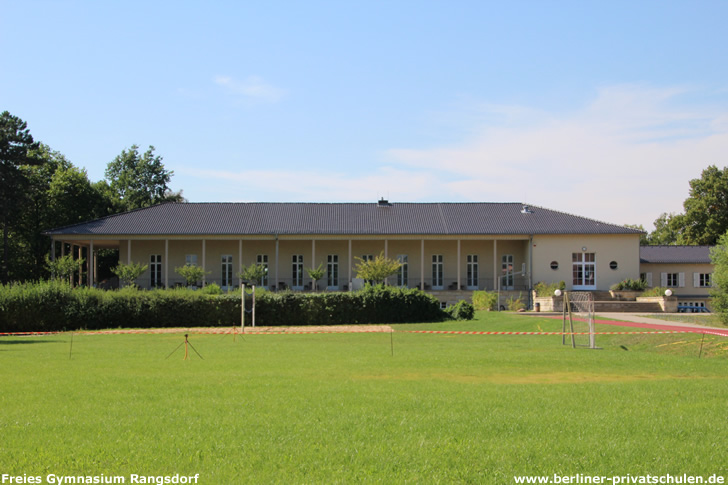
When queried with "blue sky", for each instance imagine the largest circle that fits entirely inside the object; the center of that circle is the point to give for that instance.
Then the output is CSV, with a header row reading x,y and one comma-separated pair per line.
x,y
603,109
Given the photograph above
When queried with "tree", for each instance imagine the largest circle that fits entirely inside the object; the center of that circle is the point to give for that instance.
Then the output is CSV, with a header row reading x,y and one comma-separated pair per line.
x,y
191,273
719,292
253,273
377,269
643,236
63,267
16,145
706,209
315,274
668,230
128,273
140,180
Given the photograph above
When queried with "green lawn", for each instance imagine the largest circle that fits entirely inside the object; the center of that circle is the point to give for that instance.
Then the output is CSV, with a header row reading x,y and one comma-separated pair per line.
x,y
340,408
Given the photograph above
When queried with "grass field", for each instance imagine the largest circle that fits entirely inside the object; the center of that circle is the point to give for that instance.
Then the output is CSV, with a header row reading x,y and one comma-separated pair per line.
x,y
340,408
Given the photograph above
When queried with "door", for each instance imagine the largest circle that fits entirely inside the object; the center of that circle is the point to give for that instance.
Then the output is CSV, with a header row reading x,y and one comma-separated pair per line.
x,y
584,271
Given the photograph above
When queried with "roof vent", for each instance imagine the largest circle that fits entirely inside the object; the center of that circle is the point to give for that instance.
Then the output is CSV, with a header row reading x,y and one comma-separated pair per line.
x,y
383,203
526,210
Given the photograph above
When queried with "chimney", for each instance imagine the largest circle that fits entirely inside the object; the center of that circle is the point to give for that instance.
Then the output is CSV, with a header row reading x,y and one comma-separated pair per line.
x,y
383,203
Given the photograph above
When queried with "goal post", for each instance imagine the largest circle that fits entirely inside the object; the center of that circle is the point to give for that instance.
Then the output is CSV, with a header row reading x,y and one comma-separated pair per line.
x,y
578,319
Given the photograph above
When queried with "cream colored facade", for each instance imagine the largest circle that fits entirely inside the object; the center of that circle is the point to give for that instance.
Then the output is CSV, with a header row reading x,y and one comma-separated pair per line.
x,y
441,263
691,283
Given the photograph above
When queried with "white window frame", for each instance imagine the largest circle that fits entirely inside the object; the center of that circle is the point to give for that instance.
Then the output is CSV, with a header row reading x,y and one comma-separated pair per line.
x,y
262,260
438,272
507,281
703,280
226,271
332,272
583,272
155,270
403,271
190,260
472,272
297,272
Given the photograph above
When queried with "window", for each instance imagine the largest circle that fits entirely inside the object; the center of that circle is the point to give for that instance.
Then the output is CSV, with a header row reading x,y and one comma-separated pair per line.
x,y
613,265
702,280
472,272
191,259
297,271
367,257
227,271
554,265
673,280
584,269
262,260
437,271
507,272
155,270
402,272
332,272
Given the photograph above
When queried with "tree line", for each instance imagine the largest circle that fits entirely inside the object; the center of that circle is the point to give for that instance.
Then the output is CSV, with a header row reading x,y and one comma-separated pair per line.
x,y
41,189
705,219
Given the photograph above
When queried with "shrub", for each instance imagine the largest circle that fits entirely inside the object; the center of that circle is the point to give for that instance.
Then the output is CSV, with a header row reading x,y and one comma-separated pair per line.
x,y
629,285
54,305
211,289
462,310
485,300
547,289
515,304
656,291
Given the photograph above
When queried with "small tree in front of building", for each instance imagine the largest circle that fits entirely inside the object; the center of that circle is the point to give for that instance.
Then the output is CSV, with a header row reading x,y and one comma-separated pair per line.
x,y
128,273
253,274
315,274
378,269
191,273
63,267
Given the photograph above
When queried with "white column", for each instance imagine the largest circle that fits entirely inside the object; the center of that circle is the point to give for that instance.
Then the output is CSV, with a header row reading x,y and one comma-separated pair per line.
x,y
277,252
240,261
203,263
386,255
496,280
351,282
91,264
313,259
458,285
166,263
422,265
128,251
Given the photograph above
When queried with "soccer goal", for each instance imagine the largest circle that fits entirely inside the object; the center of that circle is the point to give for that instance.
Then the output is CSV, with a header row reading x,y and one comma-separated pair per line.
x,y
578,319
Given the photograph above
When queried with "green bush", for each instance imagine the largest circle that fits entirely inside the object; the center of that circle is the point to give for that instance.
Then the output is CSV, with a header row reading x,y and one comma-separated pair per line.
x,y
515,304
629,285
547,289
485,300
656,291
462,310
54,305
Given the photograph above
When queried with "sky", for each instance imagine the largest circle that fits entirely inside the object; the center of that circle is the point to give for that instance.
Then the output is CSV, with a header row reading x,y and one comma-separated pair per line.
x,y
604,109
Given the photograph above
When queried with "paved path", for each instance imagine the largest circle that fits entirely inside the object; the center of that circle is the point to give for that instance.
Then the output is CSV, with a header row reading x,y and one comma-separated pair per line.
x,y
642,320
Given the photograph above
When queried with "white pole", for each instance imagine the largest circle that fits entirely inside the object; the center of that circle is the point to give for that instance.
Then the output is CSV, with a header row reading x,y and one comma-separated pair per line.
x,y
253,306
242,308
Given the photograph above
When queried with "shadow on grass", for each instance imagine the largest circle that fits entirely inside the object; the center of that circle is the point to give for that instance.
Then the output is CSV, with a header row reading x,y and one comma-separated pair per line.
x,y
29,341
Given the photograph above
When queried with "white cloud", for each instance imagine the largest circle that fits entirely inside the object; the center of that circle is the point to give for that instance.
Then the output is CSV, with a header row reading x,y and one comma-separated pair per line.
x,y
625,157
317,186
251,88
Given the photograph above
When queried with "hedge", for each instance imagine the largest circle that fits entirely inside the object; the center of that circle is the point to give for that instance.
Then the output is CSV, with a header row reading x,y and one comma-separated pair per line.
x,y
51,306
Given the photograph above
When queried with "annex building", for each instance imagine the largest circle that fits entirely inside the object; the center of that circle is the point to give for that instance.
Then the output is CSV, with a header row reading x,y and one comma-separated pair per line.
x,y
443,247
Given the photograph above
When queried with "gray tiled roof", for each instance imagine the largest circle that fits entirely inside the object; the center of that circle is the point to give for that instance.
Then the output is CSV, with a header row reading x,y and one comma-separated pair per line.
x,y
675,254
340,219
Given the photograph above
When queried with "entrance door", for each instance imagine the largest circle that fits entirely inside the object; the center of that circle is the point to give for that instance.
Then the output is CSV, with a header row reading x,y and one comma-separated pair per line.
x,y
584,271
